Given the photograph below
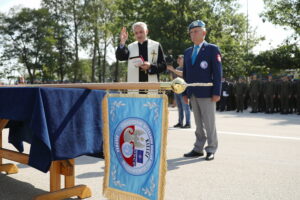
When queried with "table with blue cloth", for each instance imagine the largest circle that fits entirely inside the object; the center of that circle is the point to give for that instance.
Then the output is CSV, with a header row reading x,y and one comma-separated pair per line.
x,y
59,123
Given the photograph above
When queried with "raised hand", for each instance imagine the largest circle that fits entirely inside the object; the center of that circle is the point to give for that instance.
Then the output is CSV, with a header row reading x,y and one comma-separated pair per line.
x,y
123,36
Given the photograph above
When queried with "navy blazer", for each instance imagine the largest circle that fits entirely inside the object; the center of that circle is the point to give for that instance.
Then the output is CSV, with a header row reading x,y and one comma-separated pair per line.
x,y
206,69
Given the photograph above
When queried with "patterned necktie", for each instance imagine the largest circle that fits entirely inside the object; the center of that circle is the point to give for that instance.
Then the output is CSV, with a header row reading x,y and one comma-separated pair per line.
x,y
195,52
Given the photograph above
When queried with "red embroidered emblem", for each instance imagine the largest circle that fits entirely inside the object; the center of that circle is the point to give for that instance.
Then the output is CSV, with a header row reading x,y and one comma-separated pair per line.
x,y
219,57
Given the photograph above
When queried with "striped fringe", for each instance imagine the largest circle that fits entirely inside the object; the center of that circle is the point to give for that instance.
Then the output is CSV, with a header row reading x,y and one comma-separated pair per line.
x,y
121,195
163,159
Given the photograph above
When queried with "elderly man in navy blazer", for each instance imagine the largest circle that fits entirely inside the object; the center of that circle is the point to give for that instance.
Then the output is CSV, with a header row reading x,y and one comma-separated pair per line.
x,y
202,64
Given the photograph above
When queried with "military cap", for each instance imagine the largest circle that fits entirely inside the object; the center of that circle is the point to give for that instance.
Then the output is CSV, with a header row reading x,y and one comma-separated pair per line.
x,y
197,23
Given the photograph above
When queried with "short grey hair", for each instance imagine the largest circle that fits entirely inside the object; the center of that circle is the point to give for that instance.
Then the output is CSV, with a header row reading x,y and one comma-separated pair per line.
x,y
141,24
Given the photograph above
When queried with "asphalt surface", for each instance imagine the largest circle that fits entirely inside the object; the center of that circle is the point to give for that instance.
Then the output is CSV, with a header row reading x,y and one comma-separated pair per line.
x,y
258,159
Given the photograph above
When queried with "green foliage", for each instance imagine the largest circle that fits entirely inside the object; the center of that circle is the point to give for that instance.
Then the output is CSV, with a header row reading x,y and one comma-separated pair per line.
x,y
283,12
168,21
47,41
27,35
284,57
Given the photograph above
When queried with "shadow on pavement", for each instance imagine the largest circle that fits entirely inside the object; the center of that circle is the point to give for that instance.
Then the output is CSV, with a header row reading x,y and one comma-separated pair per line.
x,y
177,162
12,189
91,175
22,166
84,160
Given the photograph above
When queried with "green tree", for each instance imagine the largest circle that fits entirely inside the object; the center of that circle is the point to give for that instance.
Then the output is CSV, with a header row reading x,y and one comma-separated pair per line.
x,y
287,14
27,35
283,12
284,57
168,22
63,53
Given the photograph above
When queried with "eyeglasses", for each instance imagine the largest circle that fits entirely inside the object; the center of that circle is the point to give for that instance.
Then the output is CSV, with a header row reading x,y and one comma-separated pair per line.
x,y
195,31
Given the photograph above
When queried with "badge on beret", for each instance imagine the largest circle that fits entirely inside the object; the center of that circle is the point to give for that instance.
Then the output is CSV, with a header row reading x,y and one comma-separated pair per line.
x,y
203,64
219,58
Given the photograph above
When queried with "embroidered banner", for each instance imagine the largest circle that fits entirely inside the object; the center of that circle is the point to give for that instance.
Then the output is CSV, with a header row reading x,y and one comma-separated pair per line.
x,y
135,133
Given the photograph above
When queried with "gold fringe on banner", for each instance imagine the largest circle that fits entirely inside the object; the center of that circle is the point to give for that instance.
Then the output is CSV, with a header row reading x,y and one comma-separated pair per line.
x,y
114,194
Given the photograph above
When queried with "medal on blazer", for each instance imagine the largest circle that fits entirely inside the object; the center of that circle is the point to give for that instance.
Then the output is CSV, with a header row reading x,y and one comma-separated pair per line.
x,y
204,64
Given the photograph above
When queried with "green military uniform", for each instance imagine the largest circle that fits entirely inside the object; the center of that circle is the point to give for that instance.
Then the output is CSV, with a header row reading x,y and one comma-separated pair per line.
x,y
254,94
292,100
285,91
277,106
297,95
240,90
269,95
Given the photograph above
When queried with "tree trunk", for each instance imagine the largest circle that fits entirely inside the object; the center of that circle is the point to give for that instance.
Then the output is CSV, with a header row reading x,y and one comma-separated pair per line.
x,y
76,68
104,59
94,54
99,63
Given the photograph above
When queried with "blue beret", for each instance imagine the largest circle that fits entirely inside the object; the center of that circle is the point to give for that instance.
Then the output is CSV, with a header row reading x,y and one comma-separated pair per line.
x,y
197,23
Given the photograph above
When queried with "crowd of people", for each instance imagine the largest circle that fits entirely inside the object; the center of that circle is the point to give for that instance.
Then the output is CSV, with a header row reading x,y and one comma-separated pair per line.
x,y
268,95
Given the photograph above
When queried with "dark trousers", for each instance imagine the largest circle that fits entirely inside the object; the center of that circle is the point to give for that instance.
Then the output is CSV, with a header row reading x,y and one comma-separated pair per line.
x,y
239,102
298,104
254,102
284,100
223,103
269,103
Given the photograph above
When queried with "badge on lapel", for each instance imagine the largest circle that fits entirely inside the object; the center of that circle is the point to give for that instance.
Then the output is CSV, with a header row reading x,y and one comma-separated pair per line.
x,y
204,64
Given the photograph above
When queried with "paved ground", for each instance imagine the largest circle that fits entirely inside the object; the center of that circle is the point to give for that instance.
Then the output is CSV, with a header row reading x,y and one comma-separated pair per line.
x,y
258,158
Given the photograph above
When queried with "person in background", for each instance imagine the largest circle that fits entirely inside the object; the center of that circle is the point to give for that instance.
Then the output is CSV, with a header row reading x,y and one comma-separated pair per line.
x,y
183,108
240,90
223,103
254,90
269,94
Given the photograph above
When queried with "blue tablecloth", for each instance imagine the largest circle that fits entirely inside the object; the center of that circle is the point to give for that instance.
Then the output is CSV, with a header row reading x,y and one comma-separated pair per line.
x,y
59,123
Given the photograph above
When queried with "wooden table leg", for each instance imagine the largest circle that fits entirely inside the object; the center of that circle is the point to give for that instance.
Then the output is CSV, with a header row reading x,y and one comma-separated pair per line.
x,y
3,123
55,176
66,168
8,168
58,168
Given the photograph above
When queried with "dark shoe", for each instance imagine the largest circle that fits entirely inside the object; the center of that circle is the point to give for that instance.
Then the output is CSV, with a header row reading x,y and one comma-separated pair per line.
x,y
178,125
209,156
187,126
193,154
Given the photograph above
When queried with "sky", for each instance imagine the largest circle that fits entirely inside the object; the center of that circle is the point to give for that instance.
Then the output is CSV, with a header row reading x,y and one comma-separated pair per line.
x,y
274,35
